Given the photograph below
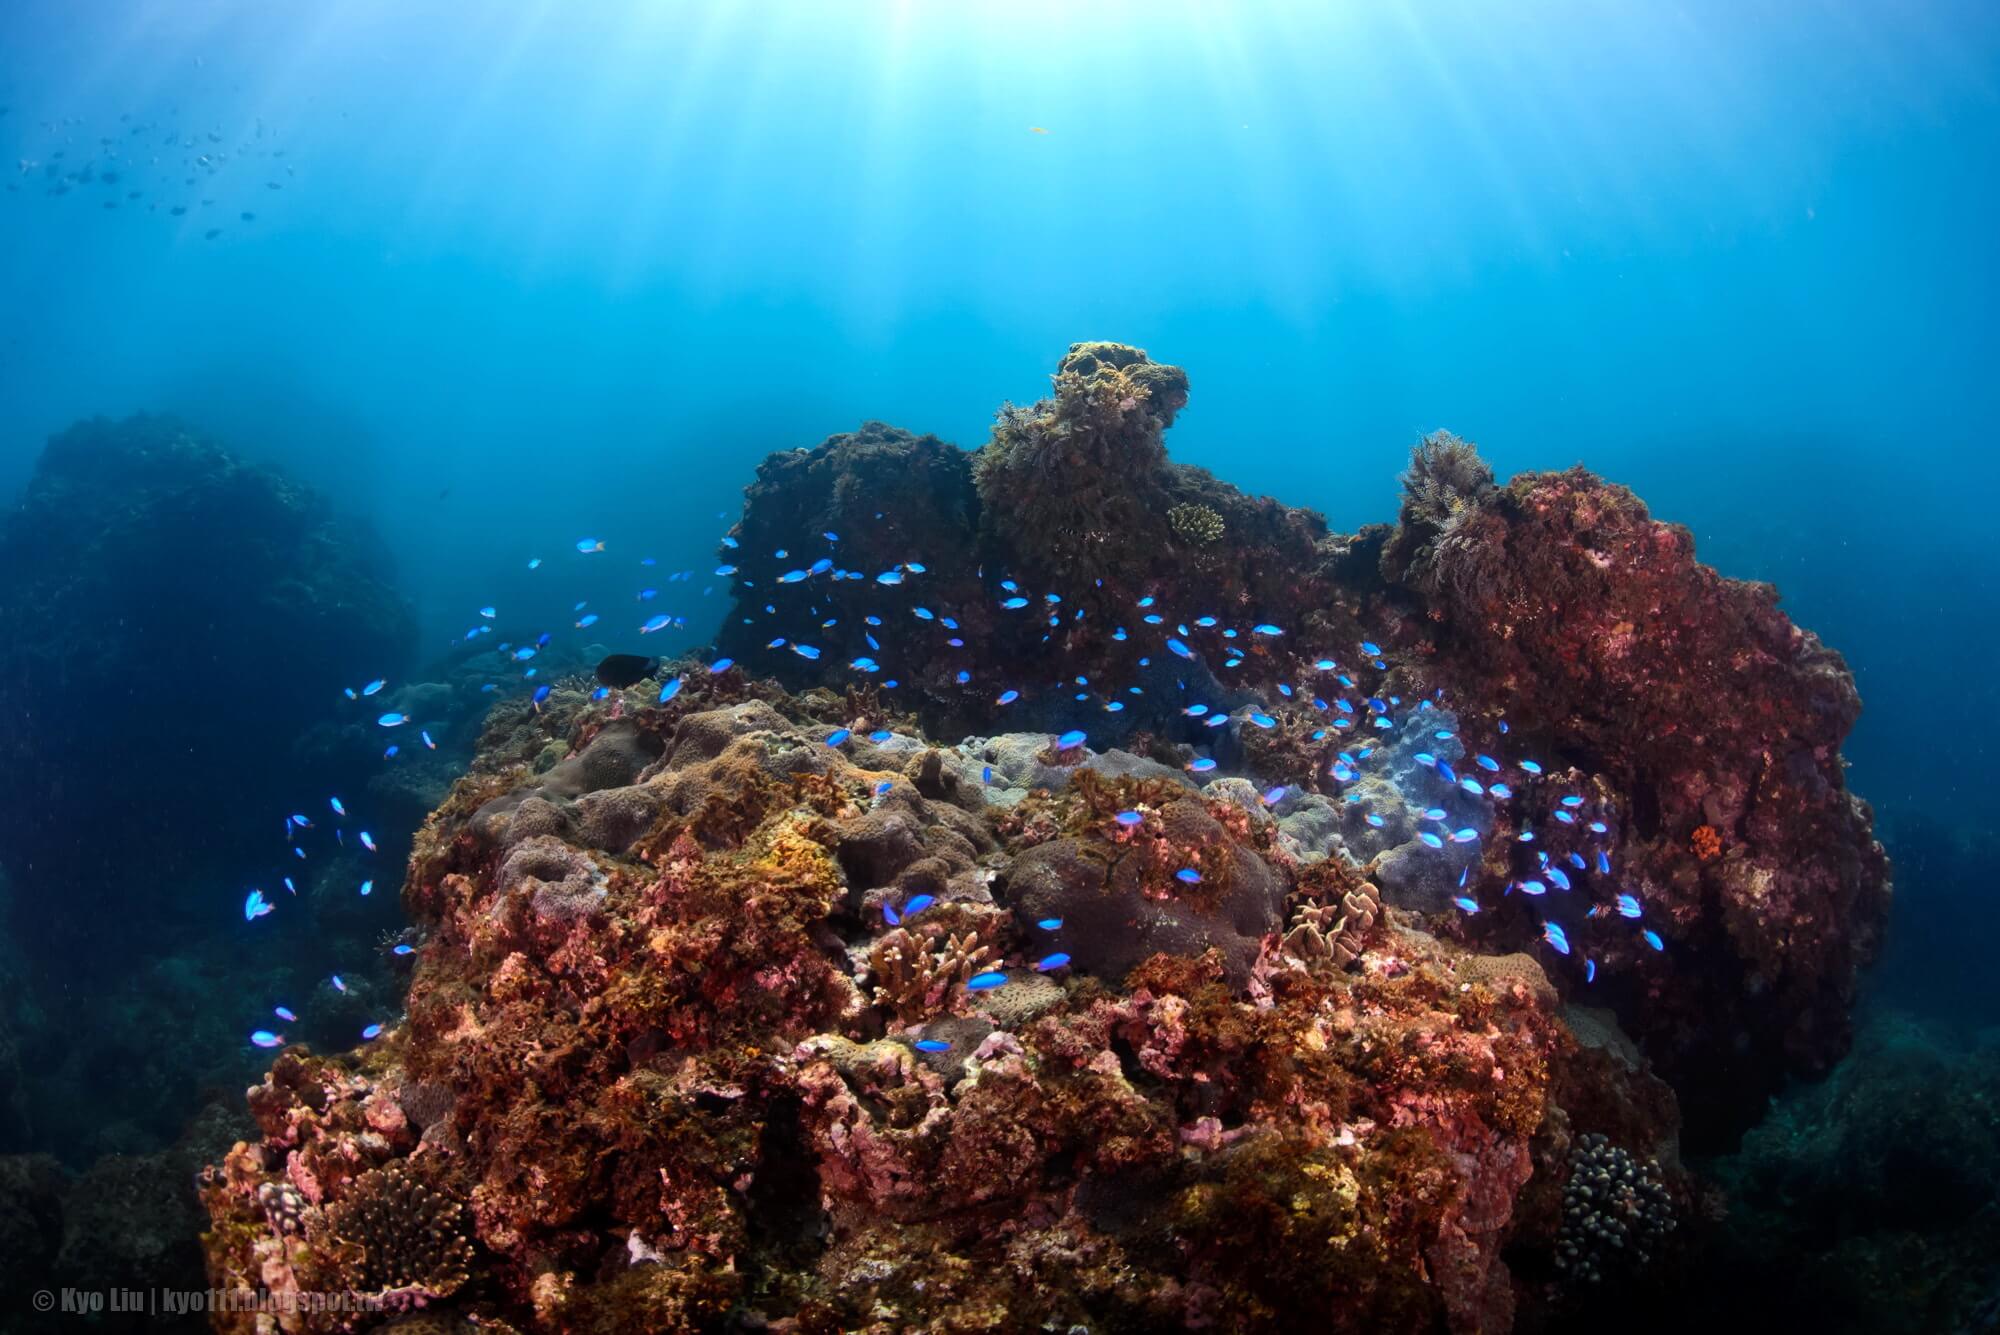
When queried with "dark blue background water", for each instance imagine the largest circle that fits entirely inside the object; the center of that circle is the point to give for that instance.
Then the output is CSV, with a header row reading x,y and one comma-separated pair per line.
x,y
538,272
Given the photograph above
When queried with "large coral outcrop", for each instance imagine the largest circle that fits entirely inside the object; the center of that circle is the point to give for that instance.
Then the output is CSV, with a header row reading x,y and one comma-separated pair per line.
x,y
1060,577
750,1083
1561,605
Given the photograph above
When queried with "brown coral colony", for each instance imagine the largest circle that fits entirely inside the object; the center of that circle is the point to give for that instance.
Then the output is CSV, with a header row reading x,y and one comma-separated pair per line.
x,y
790,1000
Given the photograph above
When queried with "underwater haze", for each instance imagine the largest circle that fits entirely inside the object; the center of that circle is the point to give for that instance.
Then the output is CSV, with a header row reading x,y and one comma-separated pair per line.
x,y
421,300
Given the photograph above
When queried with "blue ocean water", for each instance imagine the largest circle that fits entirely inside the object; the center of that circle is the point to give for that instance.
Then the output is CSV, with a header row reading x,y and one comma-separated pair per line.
x,y
528,273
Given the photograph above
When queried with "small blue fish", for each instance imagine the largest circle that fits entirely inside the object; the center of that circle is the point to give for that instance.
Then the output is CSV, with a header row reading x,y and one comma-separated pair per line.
x,y
1374,820
404,948
722,665
1471,785
1464,836
931,1045
589,620
1276,795
1179,649
884,786
1467,903
1013,603
1370,648
918,903
984,982
264,1038
1188,876
367,887
1499,790
1073,738
1487,762
374,686
1201,765
1434,813
1556,937
589,545
1048,924
890,577
1530,766
1430,840
393,720
1628,906
1652,938
1195,711
425,734
1603,863
284,1013
1129,818
1265,628
1533,888
805,651
488,612
255,906
671,689
372,1031
1263,720
1557,877
1048,963
837,736
534,563
962,677
368,841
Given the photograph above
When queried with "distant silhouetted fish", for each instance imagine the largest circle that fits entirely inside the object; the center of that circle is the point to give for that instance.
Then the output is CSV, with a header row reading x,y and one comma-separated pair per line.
x,y
621,670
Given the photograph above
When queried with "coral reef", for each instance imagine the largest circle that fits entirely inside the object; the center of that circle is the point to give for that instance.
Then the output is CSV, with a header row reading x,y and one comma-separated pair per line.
x,y
752,1083
1043,581
1055,920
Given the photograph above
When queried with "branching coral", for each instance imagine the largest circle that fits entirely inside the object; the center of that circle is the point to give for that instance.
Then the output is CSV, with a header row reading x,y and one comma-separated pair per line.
x,y
402,1236
915,981
1195,524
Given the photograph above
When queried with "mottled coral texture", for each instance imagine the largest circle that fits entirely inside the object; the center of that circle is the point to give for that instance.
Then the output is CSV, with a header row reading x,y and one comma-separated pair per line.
x,y
698,1095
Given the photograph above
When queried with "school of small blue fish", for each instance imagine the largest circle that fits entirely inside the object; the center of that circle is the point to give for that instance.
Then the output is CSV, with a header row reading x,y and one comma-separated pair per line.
x,y
1333,689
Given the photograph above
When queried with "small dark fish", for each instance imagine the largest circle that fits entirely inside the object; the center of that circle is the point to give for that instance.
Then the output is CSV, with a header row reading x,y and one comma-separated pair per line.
x,y
621,670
